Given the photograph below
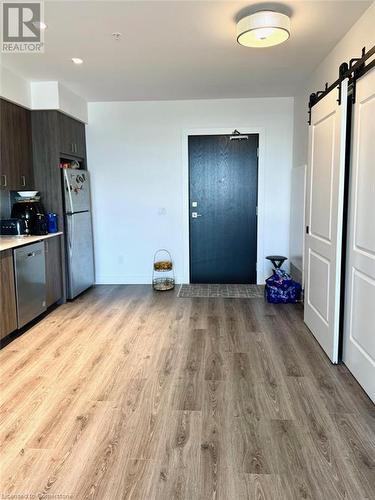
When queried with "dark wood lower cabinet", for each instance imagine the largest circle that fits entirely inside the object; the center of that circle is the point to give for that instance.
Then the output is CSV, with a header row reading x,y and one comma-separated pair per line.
x,y
8,311
53,270
54,283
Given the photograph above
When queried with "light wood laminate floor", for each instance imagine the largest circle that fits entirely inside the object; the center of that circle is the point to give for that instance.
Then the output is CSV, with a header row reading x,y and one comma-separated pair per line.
x,y
131,394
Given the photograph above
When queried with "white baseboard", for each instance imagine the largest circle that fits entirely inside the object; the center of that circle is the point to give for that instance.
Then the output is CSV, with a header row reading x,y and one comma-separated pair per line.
x,y
125,279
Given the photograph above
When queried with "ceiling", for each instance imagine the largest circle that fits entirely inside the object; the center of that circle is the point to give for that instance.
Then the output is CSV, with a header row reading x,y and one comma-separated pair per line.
x,y
180,49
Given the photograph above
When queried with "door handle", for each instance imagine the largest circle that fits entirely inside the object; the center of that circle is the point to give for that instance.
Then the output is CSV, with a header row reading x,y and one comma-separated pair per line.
x,y
3,184
195,215
23,180
70,222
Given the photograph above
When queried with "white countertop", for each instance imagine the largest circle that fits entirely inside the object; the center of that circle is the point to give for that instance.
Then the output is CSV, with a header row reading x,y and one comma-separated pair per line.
x,y
7,242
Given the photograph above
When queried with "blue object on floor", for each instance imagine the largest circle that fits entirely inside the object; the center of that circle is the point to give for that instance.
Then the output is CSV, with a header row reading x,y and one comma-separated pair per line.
x,y
281,289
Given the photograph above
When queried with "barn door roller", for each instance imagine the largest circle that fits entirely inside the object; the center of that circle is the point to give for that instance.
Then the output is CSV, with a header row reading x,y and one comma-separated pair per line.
x,y
354,70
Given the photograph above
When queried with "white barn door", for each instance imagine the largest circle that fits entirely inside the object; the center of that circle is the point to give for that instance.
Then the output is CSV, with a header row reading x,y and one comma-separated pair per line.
x,y
359,331
324,213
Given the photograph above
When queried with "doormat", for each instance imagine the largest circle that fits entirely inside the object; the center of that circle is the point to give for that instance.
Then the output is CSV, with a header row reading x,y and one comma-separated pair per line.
x,y
225,291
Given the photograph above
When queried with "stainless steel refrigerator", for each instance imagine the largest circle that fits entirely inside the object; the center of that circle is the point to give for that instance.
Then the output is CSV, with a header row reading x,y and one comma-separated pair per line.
x,y
78,228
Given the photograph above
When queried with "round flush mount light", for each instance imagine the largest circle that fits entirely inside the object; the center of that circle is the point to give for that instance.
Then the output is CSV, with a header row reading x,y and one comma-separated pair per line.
x,y
77,60
263,29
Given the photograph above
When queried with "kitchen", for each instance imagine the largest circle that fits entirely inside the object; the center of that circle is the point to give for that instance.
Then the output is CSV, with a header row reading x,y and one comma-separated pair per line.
x,y
43,158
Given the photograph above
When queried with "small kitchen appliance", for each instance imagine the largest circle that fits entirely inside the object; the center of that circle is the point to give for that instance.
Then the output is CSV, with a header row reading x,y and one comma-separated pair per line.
x,y
14,227
32,212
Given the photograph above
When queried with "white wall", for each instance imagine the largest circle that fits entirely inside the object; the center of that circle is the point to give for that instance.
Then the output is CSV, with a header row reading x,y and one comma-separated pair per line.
x,y
41,95
362,34
72,104
14,88
44,95
297,215
54,95
137,156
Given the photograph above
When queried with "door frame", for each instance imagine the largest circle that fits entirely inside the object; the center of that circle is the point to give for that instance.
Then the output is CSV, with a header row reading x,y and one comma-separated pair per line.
x,y
260,131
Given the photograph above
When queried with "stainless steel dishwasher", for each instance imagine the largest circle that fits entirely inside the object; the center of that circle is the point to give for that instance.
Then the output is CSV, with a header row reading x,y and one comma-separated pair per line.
x,y
30,274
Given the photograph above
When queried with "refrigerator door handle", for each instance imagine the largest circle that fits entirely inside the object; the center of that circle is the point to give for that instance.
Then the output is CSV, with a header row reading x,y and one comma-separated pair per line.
x,y
70,222
67,187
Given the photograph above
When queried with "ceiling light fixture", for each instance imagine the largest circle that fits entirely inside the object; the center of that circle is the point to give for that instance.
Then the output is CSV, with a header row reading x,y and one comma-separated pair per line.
x,y
77,60
263,29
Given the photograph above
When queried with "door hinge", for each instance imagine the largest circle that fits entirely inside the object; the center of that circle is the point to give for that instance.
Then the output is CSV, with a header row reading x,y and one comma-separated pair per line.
x,y
256,210
257,152
307,230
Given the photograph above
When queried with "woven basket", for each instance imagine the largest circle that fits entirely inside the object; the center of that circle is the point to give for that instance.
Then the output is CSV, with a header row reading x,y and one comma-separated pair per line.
x,y
163,265
163,284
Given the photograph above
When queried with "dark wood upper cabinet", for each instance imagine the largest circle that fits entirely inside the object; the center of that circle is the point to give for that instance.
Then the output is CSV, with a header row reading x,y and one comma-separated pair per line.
x,y
72,136
81,139
16,164
6,159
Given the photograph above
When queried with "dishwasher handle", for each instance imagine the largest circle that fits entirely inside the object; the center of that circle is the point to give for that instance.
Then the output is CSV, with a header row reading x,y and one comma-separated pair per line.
x,y
34,254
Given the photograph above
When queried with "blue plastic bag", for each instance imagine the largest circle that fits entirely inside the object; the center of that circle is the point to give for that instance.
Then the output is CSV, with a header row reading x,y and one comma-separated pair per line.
x,y
281,289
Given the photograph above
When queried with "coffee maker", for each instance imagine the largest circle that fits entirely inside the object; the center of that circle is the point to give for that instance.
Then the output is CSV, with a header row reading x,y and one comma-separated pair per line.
x,y
32,212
